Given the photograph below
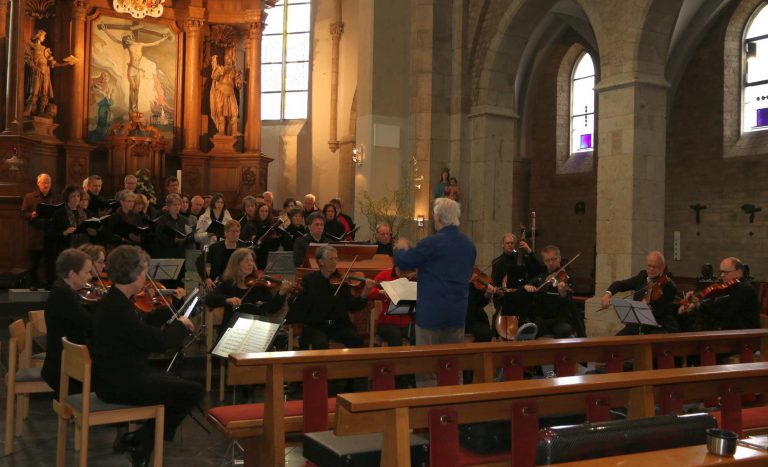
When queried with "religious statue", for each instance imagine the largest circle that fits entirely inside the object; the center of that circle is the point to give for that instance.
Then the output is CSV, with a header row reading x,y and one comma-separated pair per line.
x,y
225,79
135,50
40,61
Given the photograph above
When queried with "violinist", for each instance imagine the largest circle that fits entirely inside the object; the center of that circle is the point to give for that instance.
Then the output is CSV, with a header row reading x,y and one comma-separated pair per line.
x,y
516,264
296,228
737,306
237,287
391,329
477,319
653,286
121,370
316,222
554,313
219,253
65,315
96,286
269,237
323,308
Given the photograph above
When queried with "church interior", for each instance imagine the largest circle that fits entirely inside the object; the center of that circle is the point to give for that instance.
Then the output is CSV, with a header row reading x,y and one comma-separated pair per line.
x,y
608,128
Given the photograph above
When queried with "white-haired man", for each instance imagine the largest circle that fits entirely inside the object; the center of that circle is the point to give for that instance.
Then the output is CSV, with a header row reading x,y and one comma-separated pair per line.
x,y
444,261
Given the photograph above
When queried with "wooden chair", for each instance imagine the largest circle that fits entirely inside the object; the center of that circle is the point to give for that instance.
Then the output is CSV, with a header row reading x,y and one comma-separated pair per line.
x,y
36,329
90,411
20,381
213,317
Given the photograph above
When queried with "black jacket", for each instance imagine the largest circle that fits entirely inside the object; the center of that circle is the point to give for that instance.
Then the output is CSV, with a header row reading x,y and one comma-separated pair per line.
x,y
663,310
66,317
218,256
317,304
300,246
227,289
739,309
123,343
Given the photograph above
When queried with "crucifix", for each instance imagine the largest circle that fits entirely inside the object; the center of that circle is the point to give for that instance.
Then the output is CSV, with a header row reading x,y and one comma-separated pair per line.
x,y
750,209
698,208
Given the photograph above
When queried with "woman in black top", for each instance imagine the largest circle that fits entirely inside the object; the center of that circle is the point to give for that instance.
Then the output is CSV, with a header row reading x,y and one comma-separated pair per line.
x,y
61,231
218,255
295,230
271,242
65,316
233,291
333,227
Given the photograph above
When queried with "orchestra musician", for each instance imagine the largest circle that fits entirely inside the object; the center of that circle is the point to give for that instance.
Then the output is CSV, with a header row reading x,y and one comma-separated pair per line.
x,y
323,308
391,329
477,319
236,289
737,308
37,250
554,313
516,264
444,261
643,285
316,222
123,342
296,229
218,254
65,316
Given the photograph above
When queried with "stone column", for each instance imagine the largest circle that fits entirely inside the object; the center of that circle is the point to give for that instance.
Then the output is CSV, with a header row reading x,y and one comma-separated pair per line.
x,y
76,107
337,28
3,53
192,84
14,84
630,184
253,120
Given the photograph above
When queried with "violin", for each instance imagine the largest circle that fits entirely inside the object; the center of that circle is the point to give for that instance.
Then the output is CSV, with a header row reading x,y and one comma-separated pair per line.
x,y
481,281
715,290
558,277
152,297
260,278
93,292
654,292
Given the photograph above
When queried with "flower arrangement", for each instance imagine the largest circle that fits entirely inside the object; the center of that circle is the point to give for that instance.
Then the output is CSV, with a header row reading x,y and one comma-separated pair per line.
x,y
144,185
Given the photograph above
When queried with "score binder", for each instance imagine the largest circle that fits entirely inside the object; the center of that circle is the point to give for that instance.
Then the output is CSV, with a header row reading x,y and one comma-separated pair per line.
x,y
249,333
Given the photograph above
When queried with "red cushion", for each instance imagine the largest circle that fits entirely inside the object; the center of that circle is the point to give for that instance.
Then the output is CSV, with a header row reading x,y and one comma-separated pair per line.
x,y
752,417
227,414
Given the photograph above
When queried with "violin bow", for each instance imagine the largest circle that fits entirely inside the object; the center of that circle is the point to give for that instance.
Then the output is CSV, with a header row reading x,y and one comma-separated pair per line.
x,y
344,277
159,294
554,274
533,231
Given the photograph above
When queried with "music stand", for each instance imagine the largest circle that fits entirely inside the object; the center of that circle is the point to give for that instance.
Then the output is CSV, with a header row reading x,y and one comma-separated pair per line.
x,y
634,312
404,307
162,269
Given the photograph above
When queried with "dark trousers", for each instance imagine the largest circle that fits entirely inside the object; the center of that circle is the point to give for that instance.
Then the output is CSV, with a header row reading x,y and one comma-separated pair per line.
x,y
36,258
393,334
480,330
178,395
558,328
317,336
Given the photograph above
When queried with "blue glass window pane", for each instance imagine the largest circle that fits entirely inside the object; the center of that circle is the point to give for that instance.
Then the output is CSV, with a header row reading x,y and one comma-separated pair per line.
x,y
585,142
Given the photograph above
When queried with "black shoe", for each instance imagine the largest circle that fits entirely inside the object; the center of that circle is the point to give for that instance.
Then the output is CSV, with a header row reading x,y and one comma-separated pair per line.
x,y
127,442
140,456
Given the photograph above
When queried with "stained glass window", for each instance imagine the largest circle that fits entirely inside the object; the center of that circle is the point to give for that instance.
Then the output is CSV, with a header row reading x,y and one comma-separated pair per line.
x,y
755,111
285,61
583,105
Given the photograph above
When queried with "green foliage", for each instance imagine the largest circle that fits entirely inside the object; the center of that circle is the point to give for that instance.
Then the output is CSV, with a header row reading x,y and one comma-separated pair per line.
x,y
394,210
144,185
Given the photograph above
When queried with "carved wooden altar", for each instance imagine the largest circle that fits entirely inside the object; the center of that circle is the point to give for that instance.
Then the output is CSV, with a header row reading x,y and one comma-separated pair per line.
x,y
135,145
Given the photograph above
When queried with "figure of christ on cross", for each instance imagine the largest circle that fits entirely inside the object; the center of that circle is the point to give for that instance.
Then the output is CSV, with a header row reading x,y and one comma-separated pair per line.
x,y
135,50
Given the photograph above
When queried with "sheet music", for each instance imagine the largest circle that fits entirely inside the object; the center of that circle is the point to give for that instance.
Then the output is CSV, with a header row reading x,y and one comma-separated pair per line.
x,y
247,335
400,289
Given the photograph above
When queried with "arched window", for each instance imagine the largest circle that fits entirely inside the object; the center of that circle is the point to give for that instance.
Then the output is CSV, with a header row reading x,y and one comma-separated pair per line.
x,y
755,111
285,51
583,105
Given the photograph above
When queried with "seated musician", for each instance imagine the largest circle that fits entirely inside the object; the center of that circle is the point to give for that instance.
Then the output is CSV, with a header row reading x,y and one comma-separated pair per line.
x,y
218,254
65,315
737,306
121,370
642,285
118,224
477,319
234,290
270,239
391,329
296,228
97,285
323,309
510,270
554,313
316,222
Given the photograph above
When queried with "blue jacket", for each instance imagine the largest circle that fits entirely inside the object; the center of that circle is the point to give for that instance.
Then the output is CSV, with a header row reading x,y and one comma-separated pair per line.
x,y
444,261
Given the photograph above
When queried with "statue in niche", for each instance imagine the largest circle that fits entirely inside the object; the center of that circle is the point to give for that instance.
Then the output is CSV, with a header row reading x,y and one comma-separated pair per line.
x,y
225,79
135,50
40,61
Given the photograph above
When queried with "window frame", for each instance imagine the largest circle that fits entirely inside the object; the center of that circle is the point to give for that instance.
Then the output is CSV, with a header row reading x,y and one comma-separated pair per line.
x,y
572,115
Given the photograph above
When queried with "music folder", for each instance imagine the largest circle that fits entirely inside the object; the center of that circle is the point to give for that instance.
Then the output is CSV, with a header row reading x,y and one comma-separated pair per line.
x,y
248,333
216,228
45,210
91,223
402,296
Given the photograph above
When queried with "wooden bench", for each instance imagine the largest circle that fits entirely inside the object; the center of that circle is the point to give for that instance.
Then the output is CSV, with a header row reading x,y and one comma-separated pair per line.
x,y
262,427
441,409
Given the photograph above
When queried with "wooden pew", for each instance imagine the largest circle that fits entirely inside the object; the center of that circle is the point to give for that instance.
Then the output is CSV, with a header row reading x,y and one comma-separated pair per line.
x,y
441,409
262,427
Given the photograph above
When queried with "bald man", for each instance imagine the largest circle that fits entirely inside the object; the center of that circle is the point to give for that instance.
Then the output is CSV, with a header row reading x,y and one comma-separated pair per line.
x,y
738,308
641,284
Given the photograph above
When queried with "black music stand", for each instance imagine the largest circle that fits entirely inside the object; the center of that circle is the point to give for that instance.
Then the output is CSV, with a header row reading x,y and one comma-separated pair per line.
x,y
162,269
634,312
